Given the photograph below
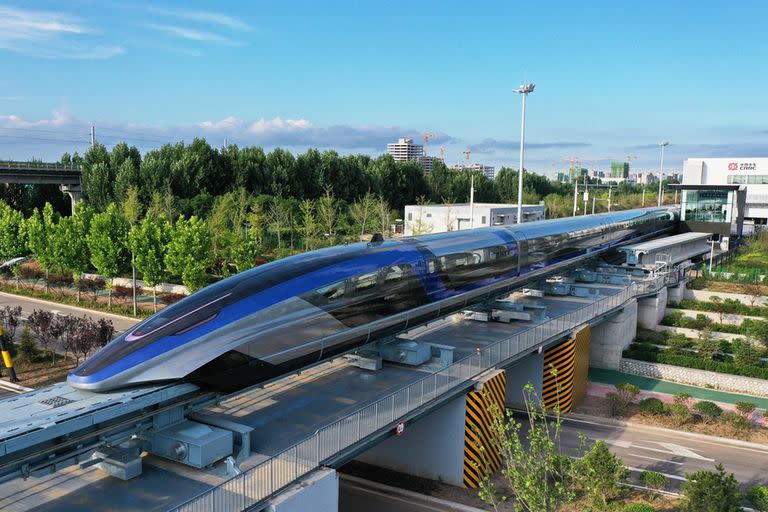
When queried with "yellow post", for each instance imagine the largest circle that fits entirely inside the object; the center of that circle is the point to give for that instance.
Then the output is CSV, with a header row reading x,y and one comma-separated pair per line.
x,y
7,357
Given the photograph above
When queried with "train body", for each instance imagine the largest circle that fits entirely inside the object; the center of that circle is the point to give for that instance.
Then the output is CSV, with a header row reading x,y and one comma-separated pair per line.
x,y
296,311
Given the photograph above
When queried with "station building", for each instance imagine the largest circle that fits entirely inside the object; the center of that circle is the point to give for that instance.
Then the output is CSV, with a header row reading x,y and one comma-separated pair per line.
x,y
726,191
439,218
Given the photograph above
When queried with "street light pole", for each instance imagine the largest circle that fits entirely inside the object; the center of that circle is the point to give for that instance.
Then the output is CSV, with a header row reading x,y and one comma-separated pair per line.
x,y
524,90
663,144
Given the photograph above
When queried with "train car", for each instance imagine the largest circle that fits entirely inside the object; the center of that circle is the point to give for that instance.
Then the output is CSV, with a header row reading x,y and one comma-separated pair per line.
x,y
296,311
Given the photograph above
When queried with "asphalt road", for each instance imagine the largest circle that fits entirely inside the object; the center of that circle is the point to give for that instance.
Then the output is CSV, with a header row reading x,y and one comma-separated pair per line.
x,y
28,305
672,454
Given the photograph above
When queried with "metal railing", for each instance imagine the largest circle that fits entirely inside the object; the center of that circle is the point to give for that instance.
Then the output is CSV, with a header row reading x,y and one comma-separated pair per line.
x,y
39,166
262,481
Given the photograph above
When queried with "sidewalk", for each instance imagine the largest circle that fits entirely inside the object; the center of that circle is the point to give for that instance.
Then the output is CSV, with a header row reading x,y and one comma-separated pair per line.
x,y
662,387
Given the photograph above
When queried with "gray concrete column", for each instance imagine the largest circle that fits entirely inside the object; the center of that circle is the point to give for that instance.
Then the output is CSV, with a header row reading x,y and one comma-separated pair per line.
x,y
432,447
612,336
317,491
676,293
75,193
528,369
651,310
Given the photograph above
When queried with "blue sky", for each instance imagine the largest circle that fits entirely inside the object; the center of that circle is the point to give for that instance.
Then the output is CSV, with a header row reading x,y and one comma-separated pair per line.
x,y
612,78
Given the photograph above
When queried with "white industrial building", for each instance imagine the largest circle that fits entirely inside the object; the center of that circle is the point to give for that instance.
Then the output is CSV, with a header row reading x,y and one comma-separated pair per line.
x,y
488,170
751,173
439,218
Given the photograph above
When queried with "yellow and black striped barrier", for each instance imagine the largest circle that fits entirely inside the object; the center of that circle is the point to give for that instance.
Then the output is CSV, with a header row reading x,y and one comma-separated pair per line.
x,y
565,372
481,453
7,360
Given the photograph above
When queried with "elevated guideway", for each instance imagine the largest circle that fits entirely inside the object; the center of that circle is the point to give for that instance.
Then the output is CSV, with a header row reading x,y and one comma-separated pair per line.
x,y
284,430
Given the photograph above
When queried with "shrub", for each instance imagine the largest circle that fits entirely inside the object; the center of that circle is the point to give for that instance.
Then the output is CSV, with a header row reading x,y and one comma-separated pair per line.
x,y
707,346
622,398
711,491
91,286
30,270
654,481
758,497
652,406
709,411
122,292
690,361
680,413
745,354
677,343
638,507
601,474
27,349
735,421
745,407
682,398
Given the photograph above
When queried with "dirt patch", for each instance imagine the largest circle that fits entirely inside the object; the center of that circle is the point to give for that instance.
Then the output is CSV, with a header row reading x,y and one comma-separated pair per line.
x,y
599,406
40,373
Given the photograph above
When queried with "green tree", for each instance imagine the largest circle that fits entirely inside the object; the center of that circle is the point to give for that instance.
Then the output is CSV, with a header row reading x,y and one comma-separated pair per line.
x,y
707,345
148,241
758,497
601,474
361,212
70,248
40,227
309,229
328,216
107,242
745,353
188,252
711,491
13,236
98,182
538,474
654,481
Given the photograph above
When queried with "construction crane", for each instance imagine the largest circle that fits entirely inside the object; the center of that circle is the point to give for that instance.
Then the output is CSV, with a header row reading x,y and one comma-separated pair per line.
x,y
442,153
427,136
467,152
572,160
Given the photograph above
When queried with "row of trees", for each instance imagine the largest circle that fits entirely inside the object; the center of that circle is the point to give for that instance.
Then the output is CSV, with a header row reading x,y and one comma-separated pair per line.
x,y
194,175
73,334
238,232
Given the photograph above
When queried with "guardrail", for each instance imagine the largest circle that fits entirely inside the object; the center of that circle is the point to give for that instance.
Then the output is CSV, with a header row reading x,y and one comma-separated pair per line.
x,y
262,481
39,166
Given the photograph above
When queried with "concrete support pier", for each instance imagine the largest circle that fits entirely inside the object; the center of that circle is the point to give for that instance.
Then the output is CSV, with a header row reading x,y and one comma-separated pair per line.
x,y
676,293
528,369
611,337
650,310
318,491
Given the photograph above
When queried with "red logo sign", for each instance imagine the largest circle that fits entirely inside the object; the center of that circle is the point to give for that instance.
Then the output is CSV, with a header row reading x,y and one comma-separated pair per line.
x,y
400,428
733,166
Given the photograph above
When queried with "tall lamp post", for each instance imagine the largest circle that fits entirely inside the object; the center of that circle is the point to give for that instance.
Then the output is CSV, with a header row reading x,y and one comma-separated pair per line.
x,y
524,90
663,144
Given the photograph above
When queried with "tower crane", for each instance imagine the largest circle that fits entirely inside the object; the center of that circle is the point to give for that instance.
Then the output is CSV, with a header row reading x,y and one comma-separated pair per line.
x,y
427,136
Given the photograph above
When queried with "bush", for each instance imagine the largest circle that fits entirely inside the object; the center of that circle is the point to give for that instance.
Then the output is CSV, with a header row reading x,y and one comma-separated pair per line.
x,y
638,507
736,421
707,346
654,481
711,491
758,497
745,354
680,413
745,408
690,361
622,398
601,474
30,270
682,398
652,406
122,292
27,349
709,411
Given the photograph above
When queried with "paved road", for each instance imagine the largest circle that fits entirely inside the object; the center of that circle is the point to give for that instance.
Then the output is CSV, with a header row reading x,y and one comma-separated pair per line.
x,y
673,453
28,305
357,495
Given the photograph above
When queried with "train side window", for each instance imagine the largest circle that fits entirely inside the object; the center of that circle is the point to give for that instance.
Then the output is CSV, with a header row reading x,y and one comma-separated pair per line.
x,y
431,266
332,292
366,281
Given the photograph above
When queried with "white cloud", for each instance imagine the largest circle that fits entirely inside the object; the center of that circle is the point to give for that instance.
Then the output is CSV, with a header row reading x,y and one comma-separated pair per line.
x,y
296,134
209,17
49,35
191,34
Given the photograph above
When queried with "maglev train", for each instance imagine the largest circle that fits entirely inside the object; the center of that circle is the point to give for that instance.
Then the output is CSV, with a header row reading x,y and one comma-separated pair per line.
x,y
296,311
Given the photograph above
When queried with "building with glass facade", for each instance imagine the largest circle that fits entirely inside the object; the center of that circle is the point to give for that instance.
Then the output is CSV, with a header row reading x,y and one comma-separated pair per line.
x,y
716,209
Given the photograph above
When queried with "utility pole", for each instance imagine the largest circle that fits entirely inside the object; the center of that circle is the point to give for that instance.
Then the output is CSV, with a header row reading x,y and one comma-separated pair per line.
x,y
610,189
524,90
93,135
663,144
472,201
594,198
575,196
711,253
586,194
